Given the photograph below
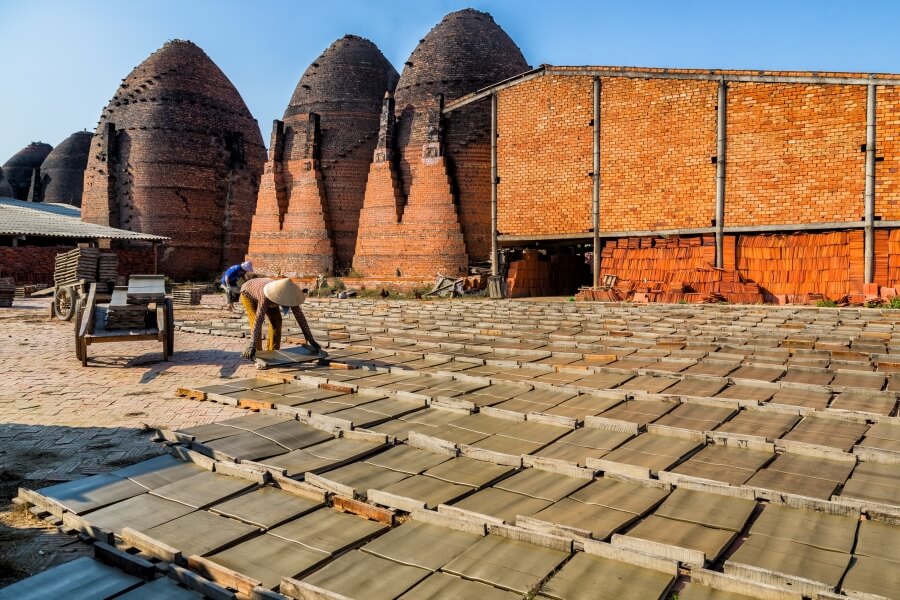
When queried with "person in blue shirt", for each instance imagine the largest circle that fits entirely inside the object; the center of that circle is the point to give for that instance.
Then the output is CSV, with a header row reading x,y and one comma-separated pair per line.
x,y
230,281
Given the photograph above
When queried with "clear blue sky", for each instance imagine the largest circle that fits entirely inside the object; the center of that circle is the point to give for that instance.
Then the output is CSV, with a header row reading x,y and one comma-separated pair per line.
x,y
63,59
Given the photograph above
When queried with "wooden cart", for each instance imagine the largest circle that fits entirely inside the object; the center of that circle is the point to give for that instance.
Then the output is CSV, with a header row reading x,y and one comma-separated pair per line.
x,y
90,326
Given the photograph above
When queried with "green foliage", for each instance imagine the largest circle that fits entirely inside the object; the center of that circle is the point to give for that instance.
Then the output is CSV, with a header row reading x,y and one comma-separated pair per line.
x,y
826,303
893,302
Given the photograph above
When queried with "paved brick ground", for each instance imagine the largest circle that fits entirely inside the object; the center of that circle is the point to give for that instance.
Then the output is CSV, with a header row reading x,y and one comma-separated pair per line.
x,y
60,421
73,420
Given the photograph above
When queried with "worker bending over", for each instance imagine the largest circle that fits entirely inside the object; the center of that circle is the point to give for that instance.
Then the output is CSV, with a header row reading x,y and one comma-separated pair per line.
x,y
264,297
230,281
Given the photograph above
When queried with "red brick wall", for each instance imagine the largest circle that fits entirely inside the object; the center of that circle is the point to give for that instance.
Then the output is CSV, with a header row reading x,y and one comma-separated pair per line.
x,y
34,264
794,153
887,134
656,140
544,156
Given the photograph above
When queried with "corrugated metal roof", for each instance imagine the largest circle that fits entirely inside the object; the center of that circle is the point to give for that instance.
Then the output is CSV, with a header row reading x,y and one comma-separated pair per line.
x,y
58,220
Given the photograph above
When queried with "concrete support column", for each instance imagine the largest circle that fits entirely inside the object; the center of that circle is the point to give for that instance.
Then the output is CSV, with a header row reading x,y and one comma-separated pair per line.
x,y
495,253
870,187
721,133
595,188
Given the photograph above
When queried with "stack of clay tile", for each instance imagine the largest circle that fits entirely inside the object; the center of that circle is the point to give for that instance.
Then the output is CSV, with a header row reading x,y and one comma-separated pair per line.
x,y
673,269
893,257
789,268
7,292
528,277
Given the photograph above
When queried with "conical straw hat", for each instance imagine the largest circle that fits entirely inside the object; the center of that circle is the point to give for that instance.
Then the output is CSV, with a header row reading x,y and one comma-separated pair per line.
x,y
284,292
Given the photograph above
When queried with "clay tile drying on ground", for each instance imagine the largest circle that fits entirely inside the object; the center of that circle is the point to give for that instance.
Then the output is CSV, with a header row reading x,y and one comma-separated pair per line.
x,y
177,153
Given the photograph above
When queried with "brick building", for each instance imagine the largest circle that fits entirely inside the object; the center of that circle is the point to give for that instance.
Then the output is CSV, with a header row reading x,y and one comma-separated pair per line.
x,y
427,200
62,172
313,185
760,169
22,171
177,154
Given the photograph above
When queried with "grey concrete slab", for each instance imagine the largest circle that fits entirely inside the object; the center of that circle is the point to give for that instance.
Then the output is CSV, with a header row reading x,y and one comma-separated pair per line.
x,y
255,421
702,388
542,484
595,437
293,435
83,578
300,461
602,381
879,404
814,399
813,528
731,456
443,586
469,472
649,383
359,574
90,493
875,576
201,532
695,591
709,540
268,558
770,425
456,435
620,495
246,446
599,521
407,459
140,512
343,449
506,563
714,369
502,504
158,471
590,577
204,489
210,431
507,445
362,476
266,507
570,453
530,431
430,490
813,466
791,558
713,472
817,377
711,510
791,483
160,588
747,392
328,530
482,423
414,544
878,539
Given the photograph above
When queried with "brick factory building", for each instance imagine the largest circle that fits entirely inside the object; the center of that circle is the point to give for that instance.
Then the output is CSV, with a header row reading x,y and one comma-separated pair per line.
x,y
177,154
62,172
313,185
784,180
22,171
427,203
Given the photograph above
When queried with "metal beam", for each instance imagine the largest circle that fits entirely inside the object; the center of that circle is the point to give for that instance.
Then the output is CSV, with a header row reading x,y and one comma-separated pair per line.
x,y
495,257
490,90
721,134
595,188
714,75
870,187
784,228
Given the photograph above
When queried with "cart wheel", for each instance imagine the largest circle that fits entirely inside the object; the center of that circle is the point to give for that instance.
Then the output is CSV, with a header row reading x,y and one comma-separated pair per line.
x,y
79,310
169,340
64,303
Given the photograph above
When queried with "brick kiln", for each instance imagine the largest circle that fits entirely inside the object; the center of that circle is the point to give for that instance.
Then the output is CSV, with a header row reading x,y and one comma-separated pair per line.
x,y
427,203
22,170
313,186
62,172
177,153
